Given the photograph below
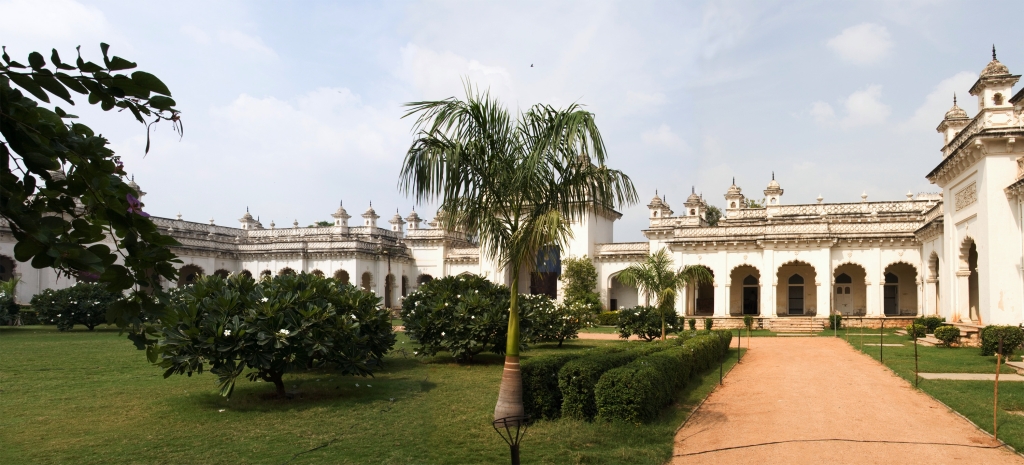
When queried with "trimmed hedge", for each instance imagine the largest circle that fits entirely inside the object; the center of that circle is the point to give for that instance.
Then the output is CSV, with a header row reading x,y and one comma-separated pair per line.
x,y
916,329
930,322
1013,337
638,391
541,396
608,318
948,334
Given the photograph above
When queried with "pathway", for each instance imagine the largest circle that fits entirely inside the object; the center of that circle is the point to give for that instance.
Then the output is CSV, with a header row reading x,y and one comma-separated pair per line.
x,y
817,400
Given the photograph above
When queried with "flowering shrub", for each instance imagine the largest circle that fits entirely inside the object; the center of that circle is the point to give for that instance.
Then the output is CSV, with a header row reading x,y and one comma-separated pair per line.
x,y
81,304
580,278
645,322
554,322
464,315
272,327
8,306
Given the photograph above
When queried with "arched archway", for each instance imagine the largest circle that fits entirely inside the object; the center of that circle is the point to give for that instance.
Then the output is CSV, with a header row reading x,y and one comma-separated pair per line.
x,y
797,291
967,281
405,285
188,274
222,273
423,279
285,271
367,281
317,273
620,295
266,274
6,268
702,302
745,291
849,290
342,276
246,273
899,292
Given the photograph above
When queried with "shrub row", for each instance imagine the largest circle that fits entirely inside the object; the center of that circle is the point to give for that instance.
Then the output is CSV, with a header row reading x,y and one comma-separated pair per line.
x,y
948,334
915,331
930,322
81,304
638,391
541,396
608,318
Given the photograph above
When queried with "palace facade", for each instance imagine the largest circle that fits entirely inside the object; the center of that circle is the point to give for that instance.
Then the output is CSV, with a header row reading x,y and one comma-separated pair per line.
x,y
870,259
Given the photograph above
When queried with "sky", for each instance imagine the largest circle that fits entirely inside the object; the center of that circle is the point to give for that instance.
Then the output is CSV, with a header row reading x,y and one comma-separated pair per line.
x,y
292,107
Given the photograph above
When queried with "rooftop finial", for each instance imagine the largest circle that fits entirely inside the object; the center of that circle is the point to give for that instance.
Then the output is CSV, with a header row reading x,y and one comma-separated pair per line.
x,y
734,180
133,177
655,192
773,175
693,190
341,203
247,209
954,99
993,51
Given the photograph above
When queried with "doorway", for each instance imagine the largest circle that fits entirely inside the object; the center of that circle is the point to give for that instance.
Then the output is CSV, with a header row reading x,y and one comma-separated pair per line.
x,y
891,295
750,293
796,295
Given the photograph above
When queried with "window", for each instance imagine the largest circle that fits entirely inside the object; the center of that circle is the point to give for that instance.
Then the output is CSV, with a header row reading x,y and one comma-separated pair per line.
x,y
997,99
891,279
843,279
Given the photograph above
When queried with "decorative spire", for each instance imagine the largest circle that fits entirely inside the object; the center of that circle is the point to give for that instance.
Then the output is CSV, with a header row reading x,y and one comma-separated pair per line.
x,y
954,99
773,175
734,180
993,51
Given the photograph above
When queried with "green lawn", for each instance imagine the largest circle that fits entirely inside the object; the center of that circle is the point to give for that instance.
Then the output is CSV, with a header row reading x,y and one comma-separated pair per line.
x,y
973,399
90,397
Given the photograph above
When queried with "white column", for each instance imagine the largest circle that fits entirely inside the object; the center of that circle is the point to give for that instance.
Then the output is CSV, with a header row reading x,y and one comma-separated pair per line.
x,y
726,302
920,297
963,295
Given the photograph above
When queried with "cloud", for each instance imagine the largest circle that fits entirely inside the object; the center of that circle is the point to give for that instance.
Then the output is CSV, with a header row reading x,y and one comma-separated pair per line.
x,y
863,44
662,136
246,43
862,108
939,101
52,20
197,35
437,75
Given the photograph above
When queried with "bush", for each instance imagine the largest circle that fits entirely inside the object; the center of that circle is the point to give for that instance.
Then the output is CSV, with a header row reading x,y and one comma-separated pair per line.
x,y
577,378
692,322
580,278
83,304
464,315
267,329
608,318
645,322
915,331
9,308
748,322
554,322
708,323
638,391
1012,336
835,321
948,334
29,317
930,322
541,396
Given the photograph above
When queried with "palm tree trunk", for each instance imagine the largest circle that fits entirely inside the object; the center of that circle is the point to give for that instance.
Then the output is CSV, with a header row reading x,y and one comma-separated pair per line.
x,y
510,395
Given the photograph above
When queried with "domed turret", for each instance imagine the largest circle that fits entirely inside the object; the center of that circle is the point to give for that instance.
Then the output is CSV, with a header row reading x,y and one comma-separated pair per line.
x,y
370,217
734,199
994,84
397,223
658,208
773,194
956,119
695,205
136,188
248,222
414,220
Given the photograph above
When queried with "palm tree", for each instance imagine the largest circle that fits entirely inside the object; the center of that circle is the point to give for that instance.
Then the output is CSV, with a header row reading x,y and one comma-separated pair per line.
x,y
517,182
655,278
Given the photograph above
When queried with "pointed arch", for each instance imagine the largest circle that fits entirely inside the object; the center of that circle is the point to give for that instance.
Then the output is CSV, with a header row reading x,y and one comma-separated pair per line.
x,y
900,286
744,290
797,293
619,295
849,289
188,275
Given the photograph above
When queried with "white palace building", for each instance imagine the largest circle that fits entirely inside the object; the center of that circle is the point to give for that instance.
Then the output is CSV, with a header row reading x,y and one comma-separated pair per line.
x,y
781,263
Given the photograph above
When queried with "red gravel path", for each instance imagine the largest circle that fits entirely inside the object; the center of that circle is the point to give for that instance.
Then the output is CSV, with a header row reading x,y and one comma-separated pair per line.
x,y
817,399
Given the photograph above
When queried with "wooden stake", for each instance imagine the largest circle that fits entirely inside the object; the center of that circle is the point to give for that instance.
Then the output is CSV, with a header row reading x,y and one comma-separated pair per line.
x,y
995,398
915,354
881,342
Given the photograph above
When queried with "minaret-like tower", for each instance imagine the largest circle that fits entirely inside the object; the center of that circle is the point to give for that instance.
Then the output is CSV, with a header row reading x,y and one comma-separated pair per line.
x,y
397,224
414,220
734,200
659,209
370,217
247,222
773,194
955,121
341,218
994,84
695,205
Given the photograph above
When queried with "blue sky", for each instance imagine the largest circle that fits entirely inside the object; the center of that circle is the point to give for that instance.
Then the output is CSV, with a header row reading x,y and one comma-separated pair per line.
x,y
290,107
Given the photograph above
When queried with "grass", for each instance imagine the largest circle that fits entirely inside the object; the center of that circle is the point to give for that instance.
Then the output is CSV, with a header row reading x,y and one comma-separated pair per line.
x,y
90,397
972,399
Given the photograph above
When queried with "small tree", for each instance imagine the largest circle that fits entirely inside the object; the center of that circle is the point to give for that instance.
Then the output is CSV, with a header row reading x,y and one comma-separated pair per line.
x,y
555,322
580,278
266,329
8,300
645,322
713,215
655,278
82,304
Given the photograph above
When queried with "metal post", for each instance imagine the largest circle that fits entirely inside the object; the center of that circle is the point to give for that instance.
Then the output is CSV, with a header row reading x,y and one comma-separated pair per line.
x,y
881,342
995,398
915,354
739,346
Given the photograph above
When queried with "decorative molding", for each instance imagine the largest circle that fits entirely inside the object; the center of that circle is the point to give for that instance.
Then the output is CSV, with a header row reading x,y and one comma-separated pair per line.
x,y
967,196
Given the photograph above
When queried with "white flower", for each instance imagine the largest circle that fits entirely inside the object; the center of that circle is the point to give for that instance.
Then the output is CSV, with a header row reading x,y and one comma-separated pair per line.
x,y
354,317
227,332
357,384
442,333
369,385
472,317
459,296
284,332
264,299
58,315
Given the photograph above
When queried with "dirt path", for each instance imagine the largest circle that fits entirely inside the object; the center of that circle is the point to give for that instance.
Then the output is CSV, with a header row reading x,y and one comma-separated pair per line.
x,y
824,396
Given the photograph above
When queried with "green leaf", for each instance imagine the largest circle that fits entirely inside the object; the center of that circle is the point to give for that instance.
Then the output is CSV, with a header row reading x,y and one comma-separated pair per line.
x,y
28,248
53,86
104,47
72,83
161,103
55,58
150,82
119,63
36,61
29,85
